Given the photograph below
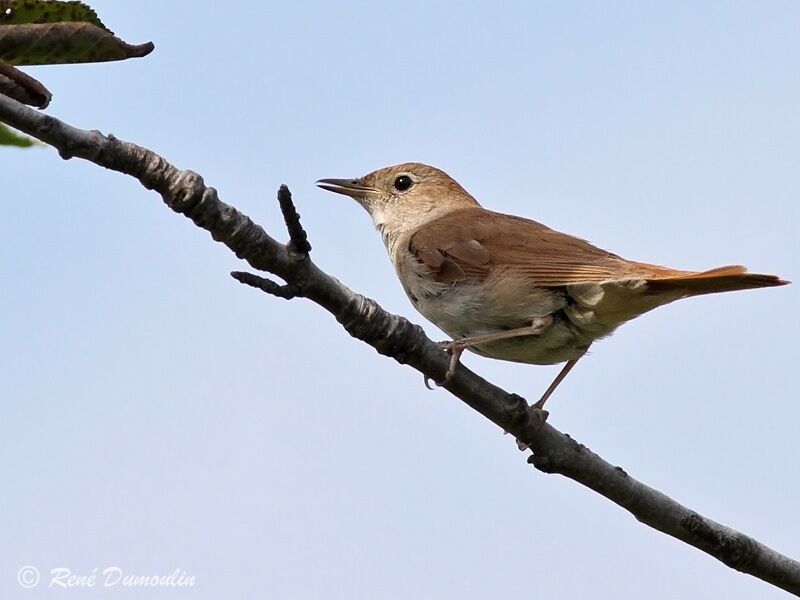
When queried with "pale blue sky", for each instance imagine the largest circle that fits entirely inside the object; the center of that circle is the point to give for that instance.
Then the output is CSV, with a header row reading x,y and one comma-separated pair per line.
x,y
158,415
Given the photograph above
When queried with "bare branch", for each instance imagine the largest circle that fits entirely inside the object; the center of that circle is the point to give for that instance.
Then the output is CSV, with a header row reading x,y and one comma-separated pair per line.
x,y
298,240
391,335
287,292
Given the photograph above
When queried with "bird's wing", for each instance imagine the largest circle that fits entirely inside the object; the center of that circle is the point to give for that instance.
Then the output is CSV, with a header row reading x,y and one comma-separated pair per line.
x,y
472,243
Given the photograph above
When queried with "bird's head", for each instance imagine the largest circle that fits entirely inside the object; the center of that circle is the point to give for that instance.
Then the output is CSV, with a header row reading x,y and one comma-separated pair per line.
x,y
404,196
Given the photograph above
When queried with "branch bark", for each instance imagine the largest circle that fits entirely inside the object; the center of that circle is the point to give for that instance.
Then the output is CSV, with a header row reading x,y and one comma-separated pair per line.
x,y
394,336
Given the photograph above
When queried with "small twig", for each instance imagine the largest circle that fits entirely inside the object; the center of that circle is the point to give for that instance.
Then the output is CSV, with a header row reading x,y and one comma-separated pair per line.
x,y
287,292
22,87
298,239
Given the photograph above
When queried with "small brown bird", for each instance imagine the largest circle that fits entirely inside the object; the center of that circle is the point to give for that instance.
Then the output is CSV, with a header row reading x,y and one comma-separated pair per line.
x,y
508,287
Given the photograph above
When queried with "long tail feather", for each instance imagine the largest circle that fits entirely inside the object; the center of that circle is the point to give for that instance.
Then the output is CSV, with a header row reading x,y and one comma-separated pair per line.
x,y
721,279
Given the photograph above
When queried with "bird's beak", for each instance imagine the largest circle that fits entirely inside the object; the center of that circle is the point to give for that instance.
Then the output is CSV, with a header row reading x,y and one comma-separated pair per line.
x,y
348,187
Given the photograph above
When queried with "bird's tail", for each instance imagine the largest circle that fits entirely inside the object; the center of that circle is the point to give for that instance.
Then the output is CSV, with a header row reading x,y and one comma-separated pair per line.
x,y
721,279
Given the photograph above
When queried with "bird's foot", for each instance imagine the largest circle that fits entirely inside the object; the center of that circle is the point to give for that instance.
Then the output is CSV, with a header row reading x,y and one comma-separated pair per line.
x,y
455,348
539,416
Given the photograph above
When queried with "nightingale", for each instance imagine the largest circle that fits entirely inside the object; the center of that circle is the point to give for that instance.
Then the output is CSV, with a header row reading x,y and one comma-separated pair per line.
x,y
507,287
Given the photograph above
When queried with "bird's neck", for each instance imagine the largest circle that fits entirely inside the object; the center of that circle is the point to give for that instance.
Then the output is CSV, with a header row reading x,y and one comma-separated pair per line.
x,y
397,224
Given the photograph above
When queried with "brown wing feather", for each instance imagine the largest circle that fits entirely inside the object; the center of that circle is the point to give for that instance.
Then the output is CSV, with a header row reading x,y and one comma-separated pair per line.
x,y
479,242
471,243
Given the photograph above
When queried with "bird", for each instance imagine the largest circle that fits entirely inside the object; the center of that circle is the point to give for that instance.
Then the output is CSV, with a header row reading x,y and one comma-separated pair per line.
x,y
507,287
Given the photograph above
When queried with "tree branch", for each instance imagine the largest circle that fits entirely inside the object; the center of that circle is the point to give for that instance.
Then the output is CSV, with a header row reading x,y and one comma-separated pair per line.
x,y
287,292
391,335
298,240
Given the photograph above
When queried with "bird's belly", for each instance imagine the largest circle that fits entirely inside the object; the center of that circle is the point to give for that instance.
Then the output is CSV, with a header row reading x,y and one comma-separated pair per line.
x,y
467,310
558,344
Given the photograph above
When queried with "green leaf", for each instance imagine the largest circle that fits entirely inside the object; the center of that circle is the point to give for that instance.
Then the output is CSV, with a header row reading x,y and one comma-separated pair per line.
x,y
60,43
9,137
17,12
52,32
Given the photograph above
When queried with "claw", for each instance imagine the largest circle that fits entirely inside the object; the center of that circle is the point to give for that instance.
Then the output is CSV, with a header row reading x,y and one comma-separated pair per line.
x,y
450,347
538,414
455,349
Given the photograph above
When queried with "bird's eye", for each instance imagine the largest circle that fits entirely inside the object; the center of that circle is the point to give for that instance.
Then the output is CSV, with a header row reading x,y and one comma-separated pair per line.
x,y
402,183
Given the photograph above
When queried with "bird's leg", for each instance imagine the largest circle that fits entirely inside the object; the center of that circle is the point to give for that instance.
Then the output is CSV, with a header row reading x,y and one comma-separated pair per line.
x,y
456,347
559,378
539,406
